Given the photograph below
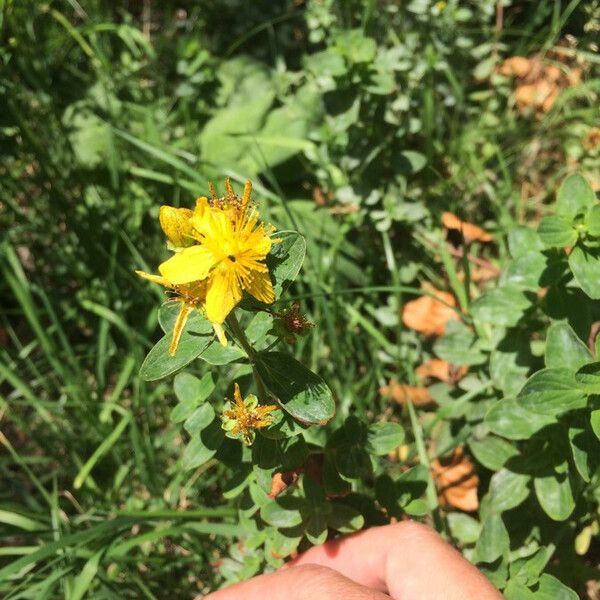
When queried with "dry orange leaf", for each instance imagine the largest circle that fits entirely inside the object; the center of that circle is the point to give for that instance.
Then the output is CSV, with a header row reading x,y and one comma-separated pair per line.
x,y
471,232
282,481
437,368
517,66
456,481
401,393
591,139
429,315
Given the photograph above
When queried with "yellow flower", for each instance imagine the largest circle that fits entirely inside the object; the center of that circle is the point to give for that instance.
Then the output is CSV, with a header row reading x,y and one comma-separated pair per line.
x,y
231,248
176,224
245,416
191,296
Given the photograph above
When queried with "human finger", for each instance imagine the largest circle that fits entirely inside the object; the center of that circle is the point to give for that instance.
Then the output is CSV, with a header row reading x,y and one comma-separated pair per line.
x,y
406,560
302,582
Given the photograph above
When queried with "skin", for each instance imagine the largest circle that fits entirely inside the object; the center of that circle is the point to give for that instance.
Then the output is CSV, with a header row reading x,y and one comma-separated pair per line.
x,y
403,561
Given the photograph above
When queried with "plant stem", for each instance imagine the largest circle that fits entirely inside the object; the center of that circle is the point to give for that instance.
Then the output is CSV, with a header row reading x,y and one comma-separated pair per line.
x,y
240,336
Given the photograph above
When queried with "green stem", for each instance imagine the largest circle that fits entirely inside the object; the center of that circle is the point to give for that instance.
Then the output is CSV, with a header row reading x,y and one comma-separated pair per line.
x,y
424,460
240,336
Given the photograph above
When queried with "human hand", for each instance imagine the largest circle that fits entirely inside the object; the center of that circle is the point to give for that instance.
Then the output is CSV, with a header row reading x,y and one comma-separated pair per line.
x,y
403,561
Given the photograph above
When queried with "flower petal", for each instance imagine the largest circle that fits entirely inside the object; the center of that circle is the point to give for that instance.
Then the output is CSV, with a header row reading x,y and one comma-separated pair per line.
x,y
224,292
182,317
191,264
176,224
155,278
220,333
260,286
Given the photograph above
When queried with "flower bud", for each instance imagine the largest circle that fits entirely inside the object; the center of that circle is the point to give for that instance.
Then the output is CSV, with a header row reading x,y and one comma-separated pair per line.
x,y
176,224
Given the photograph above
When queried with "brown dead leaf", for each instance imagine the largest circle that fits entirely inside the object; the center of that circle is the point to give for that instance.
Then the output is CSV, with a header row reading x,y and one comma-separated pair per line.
x,y
470,232
429,315
515,66
437,368
591,140
456,481
538,83
402,392
574,76
282,481
483,274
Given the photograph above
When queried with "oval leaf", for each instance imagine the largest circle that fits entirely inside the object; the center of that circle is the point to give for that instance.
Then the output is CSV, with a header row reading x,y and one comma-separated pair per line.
x,y
564,348
301,393
552,392
159,363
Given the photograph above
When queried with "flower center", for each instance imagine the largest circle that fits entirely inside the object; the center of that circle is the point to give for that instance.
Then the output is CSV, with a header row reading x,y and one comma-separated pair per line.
x,y
231,257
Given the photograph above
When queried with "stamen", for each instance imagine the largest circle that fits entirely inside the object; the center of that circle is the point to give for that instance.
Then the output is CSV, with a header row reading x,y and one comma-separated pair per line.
x,y
228,187
246,194
213,192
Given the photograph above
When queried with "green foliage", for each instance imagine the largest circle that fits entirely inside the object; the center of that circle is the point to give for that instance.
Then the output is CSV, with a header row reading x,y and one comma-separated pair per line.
x,y
359,124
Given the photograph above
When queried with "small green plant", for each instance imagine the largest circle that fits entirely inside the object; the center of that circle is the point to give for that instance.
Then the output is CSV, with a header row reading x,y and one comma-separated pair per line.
x,y
529,406
273,437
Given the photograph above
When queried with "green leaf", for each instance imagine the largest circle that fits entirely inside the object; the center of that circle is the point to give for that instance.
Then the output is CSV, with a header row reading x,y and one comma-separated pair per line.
x,y
574,197
551,588
553,491
492,452
528,569
326,63
199,419
525,271
238,481
316,528
507,490
493,541
502,306
355,46
585,451
510,362
516,590
382,438
353,462
281,545
592,221
511,420
585,266
313,491
344,518
196,336
190,392
204,445
216,354
557,231
595,422
333,482
464,528
552,392
411,485
283,512
564,348
416,508
285,259
588,378
196,323
459,346
84,580
159,364
301,393
409,162
522,240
